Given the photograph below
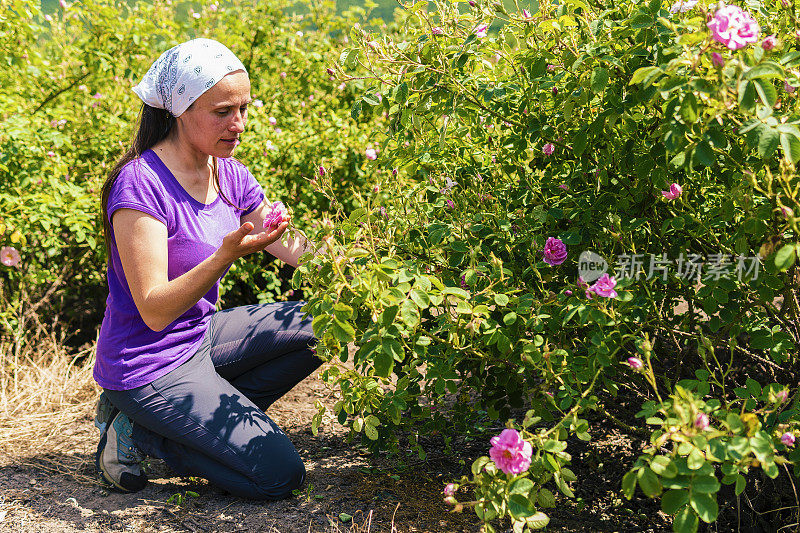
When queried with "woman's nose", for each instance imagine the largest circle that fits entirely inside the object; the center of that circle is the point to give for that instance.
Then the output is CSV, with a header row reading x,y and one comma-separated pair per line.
x,y
239,121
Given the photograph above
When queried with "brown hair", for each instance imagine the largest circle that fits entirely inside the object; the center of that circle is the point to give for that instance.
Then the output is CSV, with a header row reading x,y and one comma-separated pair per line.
x,y
153,127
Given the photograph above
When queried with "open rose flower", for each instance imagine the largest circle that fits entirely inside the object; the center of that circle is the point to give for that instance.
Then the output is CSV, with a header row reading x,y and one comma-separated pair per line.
x,y
673,193
555,251
371,154
787,439
548,149
275,216
437,31
450,489
701,421
604,286
733,27
769,42
9,256
510,452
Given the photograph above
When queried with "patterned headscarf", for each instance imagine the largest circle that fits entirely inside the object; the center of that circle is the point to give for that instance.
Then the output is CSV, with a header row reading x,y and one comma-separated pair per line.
x,y
184,72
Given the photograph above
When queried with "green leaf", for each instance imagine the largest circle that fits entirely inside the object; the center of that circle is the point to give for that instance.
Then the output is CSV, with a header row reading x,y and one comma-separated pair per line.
x,y
649,482
791,147
696,459
629,484
344,517
764,70
355,111
766,92
501,299
546,498
384,364
747,95
520,507
689,108
704,154
538,520
768,139
521,486
741,483
641,73
401,95
420,298
785,257
343,331
664,467
599,79
705,506
685,521
674,500
371,432
579,143
705,484
456,292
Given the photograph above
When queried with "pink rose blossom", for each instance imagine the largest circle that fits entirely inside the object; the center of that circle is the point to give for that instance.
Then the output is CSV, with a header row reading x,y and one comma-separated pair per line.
x,y
51,154
788,88
717,60
787,439
450,204
701,421
283,75
48,18
275,216
63,4
769,42
450,489
555,251
371,154
9,256
437,31
562,186
635,363
480,30
673,193
272,120
733,27
526,14
783,395
258,103
278,130
510,452
321,171
548,149
604,286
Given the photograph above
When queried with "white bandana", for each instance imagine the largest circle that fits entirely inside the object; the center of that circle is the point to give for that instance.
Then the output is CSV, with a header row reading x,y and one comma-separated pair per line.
x,y
184,72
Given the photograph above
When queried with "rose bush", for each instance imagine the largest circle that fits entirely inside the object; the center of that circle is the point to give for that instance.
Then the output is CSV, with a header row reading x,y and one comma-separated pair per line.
x,y
658,136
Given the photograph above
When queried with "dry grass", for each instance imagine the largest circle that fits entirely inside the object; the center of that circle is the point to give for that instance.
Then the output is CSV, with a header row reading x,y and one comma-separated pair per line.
x,y
43,391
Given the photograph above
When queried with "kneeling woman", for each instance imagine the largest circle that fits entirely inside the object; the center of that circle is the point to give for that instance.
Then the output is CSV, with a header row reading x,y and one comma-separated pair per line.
x,y
180,381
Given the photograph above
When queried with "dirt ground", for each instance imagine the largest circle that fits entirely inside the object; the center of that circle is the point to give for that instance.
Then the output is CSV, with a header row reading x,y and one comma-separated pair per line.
x,y
347,489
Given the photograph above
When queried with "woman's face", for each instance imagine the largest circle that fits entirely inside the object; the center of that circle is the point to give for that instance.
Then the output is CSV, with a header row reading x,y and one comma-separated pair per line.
x,y
214,121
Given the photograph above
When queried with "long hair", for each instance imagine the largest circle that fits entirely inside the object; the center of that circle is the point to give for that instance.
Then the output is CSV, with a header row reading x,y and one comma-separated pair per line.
x,y
154,125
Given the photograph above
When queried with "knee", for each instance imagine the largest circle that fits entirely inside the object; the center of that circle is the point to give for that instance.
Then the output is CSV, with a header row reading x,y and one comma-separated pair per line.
x,y
277,481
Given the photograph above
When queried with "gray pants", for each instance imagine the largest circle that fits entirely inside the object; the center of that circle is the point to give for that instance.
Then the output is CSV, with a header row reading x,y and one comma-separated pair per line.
x,y
206,418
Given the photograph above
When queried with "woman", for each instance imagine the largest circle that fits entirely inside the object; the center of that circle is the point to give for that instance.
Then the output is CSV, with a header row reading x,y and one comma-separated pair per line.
x,y
180,381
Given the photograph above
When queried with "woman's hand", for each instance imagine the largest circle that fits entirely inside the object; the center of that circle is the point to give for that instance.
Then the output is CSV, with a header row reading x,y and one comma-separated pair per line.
x,y
240,242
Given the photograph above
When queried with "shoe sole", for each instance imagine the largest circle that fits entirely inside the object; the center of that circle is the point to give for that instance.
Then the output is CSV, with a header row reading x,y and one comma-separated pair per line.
x,y
105,477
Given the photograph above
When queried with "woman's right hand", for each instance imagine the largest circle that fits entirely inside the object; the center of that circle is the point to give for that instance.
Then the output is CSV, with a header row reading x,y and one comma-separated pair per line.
x,y
240,242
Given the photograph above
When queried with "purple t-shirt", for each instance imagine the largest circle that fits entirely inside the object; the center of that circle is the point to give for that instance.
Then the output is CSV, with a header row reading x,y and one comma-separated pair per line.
x,y
130,354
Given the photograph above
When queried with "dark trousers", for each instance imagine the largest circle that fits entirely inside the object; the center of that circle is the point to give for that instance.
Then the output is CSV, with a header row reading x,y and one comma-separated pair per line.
x,y
206,418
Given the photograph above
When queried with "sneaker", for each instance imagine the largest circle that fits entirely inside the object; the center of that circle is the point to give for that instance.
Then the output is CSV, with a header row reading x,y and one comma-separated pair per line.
x,y
118,460
102,412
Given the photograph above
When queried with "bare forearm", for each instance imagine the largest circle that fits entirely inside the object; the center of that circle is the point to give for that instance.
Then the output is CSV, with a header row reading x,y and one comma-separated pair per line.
x,y
165,303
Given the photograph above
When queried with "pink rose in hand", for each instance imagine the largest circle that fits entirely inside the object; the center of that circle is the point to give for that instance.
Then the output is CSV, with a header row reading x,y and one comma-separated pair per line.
x,y
275,216
510,452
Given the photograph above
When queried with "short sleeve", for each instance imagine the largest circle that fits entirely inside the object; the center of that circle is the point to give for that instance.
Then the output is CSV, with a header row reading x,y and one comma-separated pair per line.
x,y
138,187
249,193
